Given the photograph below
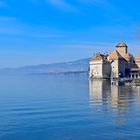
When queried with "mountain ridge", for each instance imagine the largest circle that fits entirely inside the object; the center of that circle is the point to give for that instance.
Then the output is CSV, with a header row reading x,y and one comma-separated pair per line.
x,y
77,66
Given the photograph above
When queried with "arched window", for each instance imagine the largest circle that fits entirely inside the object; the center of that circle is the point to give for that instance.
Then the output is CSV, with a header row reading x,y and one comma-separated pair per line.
x,y
132,75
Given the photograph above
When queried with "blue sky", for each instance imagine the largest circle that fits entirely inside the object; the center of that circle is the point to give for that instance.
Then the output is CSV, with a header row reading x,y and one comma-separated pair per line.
x,y
46,31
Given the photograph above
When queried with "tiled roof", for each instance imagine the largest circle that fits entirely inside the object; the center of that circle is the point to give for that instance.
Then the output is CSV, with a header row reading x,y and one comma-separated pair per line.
x,y
121,44
114,55
138,57
128,56
98,57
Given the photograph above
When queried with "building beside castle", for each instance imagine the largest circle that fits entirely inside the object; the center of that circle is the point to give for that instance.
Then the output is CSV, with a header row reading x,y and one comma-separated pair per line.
x,y
118,64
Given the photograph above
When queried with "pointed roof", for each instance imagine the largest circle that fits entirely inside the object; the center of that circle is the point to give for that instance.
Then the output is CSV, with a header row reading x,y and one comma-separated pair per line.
x,y
114,55
121,44
98,57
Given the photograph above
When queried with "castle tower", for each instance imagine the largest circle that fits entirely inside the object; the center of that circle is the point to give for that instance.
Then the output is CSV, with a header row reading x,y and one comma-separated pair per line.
x,y
118,64
99,67
114,58
122,49
138,60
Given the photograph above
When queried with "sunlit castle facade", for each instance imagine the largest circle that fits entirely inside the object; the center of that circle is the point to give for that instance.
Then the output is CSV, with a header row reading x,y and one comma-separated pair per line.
x,y
117,64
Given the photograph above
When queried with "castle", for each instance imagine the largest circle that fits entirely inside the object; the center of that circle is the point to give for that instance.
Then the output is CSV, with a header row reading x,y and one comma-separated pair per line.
x,y
117,64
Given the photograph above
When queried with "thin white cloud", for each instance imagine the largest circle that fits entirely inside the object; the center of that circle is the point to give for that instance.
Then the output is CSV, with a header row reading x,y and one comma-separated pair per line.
x,y
11,26
93,1
62,4
69,6
65,4
100,3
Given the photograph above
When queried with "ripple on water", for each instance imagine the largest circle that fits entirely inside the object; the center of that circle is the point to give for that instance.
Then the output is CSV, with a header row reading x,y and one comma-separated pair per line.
x,y
68,108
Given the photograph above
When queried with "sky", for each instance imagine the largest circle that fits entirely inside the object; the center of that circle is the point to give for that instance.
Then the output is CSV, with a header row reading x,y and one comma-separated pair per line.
x,y
47,31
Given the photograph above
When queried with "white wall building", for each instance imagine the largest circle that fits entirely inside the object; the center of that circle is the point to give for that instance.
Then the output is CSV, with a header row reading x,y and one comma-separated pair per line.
x,y
117,64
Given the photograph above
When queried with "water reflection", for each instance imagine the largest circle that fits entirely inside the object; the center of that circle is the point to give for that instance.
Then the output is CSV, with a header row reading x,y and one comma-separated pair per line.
x,y
118,97
120,101
99,90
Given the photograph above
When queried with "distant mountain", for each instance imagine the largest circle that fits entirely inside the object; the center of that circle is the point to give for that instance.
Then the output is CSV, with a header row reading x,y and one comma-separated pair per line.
x,y
78,66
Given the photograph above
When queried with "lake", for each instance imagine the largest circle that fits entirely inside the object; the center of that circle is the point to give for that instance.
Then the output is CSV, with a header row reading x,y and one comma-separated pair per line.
x,y
67,107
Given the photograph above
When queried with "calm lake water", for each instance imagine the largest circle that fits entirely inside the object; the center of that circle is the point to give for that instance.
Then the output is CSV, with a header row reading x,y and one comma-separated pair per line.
x,y
67,107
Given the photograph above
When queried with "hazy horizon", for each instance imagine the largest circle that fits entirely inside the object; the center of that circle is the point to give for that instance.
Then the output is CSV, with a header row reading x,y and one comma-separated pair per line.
x,y
39,64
